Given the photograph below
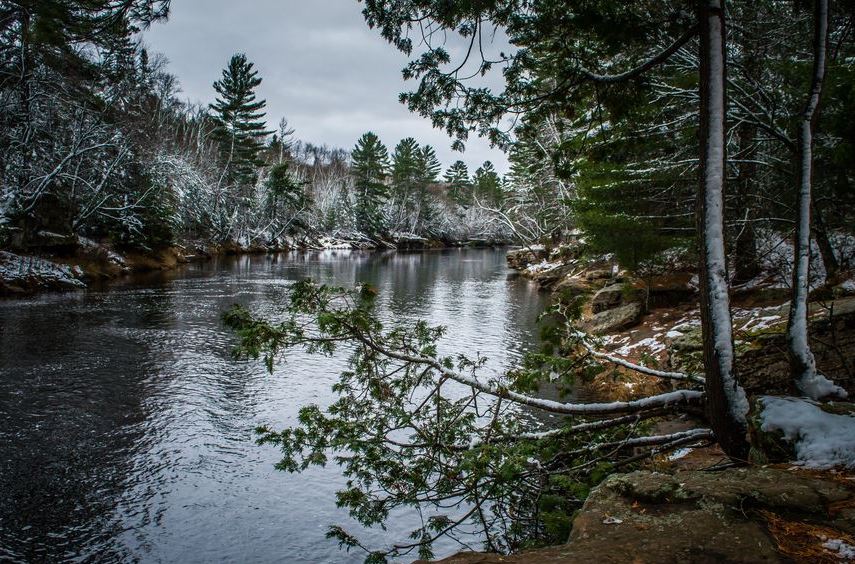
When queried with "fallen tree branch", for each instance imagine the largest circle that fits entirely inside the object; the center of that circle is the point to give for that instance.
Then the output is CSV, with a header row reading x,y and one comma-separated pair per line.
x,y
680,376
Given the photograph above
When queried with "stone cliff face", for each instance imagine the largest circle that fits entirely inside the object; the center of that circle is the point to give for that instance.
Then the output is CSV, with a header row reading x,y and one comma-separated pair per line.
x,y
752,515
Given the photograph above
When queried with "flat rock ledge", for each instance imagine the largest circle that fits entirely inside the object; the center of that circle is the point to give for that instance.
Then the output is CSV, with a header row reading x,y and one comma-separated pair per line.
x,y
750,514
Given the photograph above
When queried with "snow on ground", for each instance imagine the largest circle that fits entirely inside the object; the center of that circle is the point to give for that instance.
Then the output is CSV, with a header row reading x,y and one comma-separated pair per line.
x,y
679,453
758,318
330,243
543,266
653,345
821,439
841,549
18,270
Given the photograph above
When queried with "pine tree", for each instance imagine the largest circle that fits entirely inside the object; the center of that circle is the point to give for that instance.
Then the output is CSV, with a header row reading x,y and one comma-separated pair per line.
x,y
428,165
239,119
459,183
405,169
284,192
428,169
405,184
488,185
370,165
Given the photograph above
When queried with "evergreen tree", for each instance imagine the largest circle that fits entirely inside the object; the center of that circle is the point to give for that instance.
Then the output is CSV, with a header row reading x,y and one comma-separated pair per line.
x,y
370,164
459,183
239,119
405,169
488,185
285,195
405,184
428,169
428,165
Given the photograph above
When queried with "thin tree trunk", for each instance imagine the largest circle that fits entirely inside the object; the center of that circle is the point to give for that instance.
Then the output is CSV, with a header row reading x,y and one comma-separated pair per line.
x,y
746,265
727,405
802,363
25,95
826,250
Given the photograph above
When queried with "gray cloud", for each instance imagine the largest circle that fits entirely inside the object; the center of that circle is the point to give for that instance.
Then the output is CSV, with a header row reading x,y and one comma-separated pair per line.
x,y
331,76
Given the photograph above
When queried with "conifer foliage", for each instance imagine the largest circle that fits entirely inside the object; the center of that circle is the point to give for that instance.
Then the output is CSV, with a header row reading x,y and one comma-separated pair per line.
x,y
370,160
239,116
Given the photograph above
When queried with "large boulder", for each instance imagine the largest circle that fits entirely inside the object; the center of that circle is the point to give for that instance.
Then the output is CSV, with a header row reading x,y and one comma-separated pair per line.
x,y
753,514
609,297
519,259
698,516
571,286
547,278
22,275
672,289
599,274
616,319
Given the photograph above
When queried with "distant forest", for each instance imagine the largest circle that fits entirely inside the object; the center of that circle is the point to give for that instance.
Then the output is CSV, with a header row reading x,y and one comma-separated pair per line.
x,y
95,142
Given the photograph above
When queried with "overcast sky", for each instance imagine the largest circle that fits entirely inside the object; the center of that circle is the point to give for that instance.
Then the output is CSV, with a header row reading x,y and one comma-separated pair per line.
x,y
323,69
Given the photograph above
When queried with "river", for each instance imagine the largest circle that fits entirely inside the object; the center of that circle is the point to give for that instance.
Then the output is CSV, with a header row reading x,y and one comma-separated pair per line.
x,y
126,426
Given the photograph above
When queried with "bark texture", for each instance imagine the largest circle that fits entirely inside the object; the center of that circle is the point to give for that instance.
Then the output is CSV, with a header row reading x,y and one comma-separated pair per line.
x,y
727,405
802,363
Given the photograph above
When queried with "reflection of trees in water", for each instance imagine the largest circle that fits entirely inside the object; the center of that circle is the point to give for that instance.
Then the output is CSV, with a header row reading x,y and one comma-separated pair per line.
x,y
121,410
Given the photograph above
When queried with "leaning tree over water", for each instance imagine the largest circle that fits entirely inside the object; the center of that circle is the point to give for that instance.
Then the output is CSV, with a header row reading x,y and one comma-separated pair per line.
x,y
412,427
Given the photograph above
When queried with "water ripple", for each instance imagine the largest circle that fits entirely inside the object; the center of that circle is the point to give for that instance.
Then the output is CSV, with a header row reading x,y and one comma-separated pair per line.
x,y
126,427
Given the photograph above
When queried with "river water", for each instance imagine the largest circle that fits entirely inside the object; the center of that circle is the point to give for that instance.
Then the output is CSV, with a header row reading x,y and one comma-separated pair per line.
x,y
126,427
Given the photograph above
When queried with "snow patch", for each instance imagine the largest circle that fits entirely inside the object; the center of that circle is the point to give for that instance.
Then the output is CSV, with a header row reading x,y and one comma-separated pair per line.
x,y
821,439
679,453
17,270
653,344
816,386
842,550
542,266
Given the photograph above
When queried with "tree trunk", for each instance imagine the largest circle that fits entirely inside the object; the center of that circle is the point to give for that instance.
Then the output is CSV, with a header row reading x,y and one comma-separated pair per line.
x,y
826,250
727,405
802,363
746,265
25,96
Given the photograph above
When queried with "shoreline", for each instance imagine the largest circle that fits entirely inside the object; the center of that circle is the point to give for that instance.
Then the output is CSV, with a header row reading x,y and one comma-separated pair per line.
x,y
77,266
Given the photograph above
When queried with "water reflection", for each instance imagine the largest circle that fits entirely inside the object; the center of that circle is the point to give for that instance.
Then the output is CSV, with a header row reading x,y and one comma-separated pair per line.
x,y
125,426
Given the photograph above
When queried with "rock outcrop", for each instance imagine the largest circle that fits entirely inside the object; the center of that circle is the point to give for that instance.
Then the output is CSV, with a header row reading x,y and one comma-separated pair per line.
x,y
764,364
607,298
752,514
615,319
22,275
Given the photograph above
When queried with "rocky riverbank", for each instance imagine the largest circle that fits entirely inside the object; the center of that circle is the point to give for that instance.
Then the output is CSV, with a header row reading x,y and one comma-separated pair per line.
x,y
795,503
72,262
754,514
655,320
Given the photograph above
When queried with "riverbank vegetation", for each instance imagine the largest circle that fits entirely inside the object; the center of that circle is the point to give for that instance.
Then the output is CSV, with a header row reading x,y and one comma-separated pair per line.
x,y
691,139
97,145
648,134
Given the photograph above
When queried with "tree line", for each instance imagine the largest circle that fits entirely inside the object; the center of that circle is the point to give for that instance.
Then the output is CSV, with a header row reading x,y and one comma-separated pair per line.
x,y
95,142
